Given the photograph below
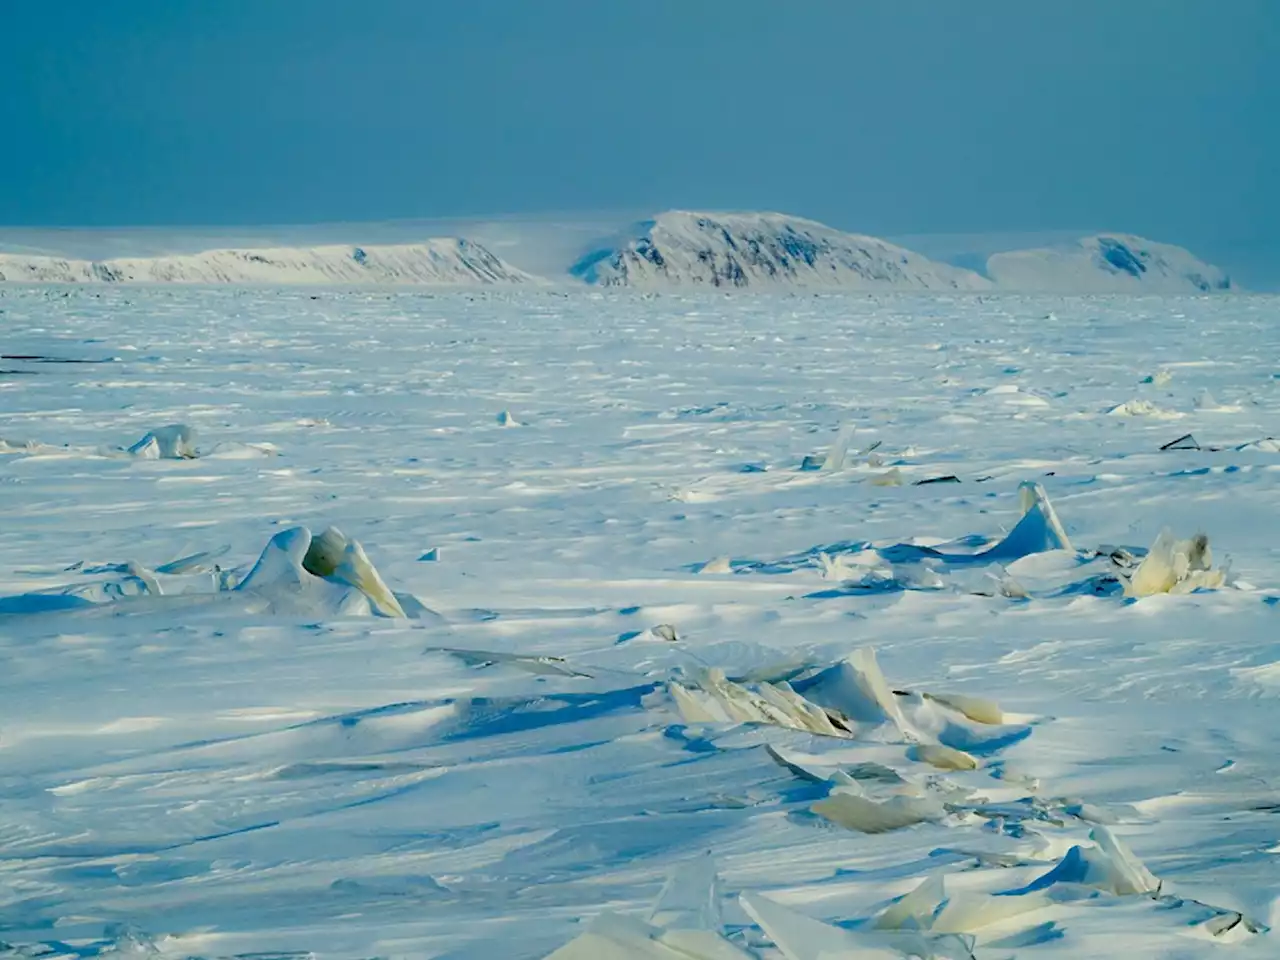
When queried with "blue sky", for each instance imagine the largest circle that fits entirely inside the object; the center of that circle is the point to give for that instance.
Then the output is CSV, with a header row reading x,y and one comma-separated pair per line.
x,y
889,117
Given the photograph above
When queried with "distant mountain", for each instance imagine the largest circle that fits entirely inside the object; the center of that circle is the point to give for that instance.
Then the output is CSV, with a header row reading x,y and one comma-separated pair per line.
x,y
677,249
432,262
1107,263
763,250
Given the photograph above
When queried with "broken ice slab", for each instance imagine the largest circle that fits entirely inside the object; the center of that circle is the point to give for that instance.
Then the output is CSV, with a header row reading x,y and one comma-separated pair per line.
x,y
297,572
865,815
839,450
1184,442
943,757
976,709
801,937
177,441
684,924
336,557
1174,566
1107,864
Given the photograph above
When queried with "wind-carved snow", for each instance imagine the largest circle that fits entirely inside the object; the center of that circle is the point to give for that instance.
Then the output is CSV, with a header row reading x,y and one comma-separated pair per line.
x,y
445,261
299,570
684,248
296,574
1107,263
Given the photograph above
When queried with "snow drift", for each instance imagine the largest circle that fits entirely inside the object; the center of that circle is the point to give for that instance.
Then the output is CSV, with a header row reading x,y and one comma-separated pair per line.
x,y
331,572
683,248
1107,263
445,261
174,441
297,574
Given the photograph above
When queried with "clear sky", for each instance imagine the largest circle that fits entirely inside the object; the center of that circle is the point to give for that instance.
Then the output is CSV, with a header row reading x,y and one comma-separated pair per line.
x,y
1160,117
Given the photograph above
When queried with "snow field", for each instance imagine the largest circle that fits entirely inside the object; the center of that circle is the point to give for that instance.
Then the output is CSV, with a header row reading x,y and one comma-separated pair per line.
x,y
191,769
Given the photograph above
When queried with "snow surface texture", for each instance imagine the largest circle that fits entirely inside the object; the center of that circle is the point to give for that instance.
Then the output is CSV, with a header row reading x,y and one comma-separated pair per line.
x,y
957,695
1109,263
439,262
681,248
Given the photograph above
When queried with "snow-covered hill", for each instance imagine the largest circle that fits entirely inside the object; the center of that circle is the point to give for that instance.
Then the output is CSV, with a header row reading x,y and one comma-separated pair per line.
x,y
756,251
446,261
681,248
1107,263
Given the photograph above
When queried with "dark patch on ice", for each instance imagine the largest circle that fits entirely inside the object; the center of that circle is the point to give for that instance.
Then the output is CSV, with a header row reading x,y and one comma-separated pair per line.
x,y
858,588
1184,442
477,616
949,478
38,358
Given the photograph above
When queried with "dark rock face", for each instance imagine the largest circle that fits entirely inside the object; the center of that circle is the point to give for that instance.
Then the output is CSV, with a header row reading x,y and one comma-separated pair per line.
x,y
1120,257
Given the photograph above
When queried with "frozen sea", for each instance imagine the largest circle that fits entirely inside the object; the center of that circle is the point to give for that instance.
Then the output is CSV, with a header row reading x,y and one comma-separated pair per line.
x,y
590,496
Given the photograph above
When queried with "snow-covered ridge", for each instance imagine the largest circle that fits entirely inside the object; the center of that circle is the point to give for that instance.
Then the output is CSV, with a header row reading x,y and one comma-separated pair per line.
x,y
680,248
445,261
1107,263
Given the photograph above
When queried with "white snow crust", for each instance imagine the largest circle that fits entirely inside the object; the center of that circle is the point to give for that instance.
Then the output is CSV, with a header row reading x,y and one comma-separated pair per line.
x,y
612,625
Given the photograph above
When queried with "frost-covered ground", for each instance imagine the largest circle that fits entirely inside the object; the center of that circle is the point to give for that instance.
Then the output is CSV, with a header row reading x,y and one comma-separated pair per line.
x,y
210,773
